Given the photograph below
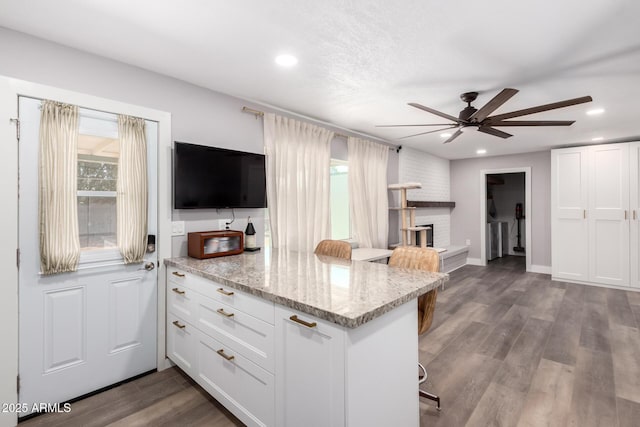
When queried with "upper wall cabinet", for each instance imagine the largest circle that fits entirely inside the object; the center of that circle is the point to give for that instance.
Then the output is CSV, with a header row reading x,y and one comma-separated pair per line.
x,y
594,216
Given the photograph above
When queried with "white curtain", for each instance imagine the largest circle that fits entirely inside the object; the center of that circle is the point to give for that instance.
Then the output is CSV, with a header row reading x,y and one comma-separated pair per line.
x,y
132,190
368,199
58,181
298,161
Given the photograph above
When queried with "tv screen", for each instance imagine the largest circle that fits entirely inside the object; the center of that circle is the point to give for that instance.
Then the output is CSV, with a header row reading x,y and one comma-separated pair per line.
x,y
209,177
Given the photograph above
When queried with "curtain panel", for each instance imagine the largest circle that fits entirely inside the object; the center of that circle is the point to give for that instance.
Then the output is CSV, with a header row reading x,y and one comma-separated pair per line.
x,y
132,190
298,161
368,199
58,206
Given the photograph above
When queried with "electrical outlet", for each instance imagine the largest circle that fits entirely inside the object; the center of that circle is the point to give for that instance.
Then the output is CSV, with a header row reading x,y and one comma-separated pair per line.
x,y
222,223
468,242
177,228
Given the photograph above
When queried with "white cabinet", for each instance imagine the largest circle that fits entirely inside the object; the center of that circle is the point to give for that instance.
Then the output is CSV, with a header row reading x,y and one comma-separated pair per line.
x,y
222,338
608,214
311,371
569,227
274,366
181,343
634,205
594,210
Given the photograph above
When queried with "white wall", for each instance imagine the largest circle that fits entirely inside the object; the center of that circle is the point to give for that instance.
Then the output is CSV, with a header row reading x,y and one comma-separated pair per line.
x,y
433,173
465,191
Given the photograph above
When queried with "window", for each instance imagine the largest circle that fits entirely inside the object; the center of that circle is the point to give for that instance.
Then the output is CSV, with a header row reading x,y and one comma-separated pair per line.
x,y
97,175
339,188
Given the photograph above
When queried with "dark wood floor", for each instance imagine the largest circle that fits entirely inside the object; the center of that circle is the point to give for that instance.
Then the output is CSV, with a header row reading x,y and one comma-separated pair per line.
x,y
506,348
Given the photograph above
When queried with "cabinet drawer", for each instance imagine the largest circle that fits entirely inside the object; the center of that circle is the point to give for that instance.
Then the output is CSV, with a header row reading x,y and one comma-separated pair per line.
x,y
248,335
181,343
176,275
239,384
181,301
255,306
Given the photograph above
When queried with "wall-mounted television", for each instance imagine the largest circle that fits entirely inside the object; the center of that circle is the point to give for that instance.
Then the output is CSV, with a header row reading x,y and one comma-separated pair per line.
x,y
209,177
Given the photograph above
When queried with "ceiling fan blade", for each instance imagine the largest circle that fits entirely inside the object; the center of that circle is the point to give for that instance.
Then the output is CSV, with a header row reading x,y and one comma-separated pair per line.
x,y
493,105
436,112
454,136
494,132
532,123
396,126
431,131
541,108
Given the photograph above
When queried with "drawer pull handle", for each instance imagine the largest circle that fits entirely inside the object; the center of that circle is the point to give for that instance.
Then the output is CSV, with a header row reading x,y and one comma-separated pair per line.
x,y
223,292
178,291
221,353
176,323
224,313
175,273
302,322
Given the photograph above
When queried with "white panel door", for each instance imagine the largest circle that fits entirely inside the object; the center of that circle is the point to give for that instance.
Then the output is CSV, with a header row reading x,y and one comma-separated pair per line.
x,y
609,214
85,330
634,181
569,226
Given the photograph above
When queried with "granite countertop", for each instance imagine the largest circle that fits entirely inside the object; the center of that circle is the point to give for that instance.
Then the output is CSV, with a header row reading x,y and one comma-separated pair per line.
x,y
348,293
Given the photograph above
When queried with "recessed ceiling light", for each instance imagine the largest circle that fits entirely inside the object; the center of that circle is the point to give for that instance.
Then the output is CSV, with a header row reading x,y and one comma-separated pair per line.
x,y
597,138
595,111
286,60
445,135
481,151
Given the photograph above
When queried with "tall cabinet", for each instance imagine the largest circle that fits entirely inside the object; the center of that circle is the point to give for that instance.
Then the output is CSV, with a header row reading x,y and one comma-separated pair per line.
x,y
594,204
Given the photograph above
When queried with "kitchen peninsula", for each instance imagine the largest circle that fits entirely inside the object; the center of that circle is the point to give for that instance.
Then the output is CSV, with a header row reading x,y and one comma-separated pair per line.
x,y
288,338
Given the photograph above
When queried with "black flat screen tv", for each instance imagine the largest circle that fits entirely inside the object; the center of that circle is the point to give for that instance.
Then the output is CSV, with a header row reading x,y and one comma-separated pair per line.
x,y
209,177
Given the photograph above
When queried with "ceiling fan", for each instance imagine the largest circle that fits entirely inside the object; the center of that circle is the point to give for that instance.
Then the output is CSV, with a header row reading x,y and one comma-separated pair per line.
x,y
472,117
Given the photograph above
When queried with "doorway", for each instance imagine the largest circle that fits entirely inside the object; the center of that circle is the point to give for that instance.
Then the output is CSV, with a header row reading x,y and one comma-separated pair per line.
x,y
505,237
505,218
84,330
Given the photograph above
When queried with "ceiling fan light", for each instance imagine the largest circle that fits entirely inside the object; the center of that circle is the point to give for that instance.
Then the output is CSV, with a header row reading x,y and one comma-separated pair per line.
x,y
445,135
595,111
481,151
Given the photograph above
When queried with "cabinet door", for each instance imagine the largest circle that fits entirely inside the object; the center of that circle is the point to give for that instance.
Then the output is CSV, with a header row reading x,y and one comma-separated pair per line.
x,y
608,214
310,369
634,181
569,226
181,344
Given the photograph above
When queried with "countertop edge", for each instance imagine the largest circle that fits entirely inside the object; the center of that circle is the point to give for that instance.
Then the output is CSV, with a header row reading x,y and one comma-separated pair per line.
x,y
348,322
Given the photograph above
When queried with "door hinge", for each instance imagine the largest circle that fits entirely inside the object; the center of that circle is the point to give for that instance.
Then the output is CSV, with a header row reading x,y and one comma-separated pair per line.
x,y
17,122
18,257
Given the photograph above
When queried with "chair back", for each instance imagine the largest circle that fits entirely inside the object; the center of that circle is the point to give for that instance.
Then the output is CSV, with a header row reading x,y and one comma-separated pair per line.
x,y
426,259
334,248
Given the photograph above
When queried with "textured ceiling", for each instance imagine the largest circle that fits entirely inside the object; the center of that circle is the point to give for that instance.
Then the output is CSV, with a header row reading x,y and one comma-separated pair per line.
x,y
361,62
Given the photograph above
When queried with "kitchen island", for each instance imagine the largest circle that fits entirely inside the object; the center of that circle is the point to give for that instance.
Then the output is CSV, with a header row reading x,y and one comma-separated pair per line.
x,y
288,338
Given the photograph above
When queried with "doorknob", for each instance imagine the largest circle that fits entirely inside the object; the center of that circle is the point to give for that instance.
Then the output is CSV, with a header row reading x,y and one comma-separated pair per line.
x,y
149,266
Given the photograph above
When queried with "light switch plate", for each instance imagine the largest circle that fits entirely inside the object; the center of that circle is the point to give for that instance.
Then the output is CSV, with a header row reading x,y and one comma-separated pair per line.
x,y
177,228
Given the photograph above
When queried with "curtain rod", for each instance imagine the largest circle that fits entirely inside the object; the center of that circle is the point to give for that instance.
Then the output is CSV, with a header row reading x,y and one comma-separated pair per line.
x,y
259,113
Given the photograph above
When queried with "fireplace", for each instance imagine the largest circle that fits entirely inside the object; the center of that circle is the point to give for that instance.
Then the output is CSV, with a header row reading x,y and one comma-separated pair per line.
x,y
429,235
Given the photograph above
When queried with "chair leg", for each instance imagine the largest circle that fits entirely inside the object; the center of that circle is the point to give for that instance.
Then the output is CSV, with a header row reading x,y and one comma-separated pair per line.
x,y
430,397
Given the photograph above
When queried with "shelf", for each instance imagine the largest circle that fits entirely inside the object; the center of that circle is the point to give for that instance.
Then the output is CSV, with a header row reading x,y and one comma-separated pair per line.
x,y
420,204
416,228
402,209
405,186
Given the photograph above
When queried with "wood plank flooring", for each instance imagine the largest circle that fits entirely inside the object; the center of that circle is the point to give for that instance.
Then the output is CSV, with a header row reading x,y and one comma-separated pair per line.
x,y
506,348
509,348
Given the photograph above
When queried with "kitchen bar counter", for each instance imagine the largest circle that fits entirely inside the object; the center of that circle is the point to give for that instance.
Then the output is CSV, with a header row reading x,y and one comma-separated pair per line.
x,y
347,293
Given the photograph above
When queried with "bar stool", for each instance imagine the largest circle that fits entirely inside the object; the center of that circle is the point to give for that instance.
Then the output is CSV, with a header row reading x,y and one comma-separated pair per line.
x,y
420,259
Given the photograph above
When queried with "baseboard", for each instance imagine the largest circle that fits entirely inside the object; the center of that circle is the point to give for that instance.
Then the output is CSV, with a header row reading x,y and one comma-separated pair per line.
x,y
597,285
474,261
544,269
